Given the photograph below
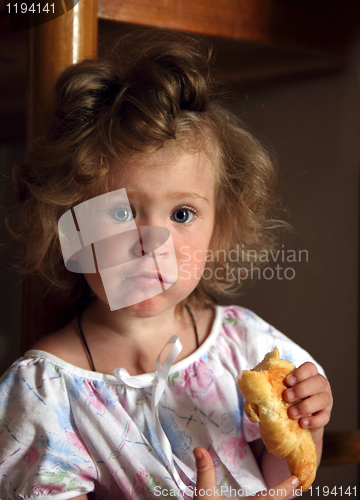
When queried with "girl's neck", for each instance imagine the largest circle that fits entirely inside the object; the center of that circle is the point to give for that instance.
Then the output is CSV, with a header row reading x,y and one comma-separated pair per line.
x,y
138,340
124,324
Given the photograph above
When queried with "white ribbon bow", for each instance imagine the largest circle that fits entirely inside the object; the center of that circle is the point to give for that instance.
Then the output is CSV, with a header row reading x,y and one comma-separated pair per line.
x,y
158,381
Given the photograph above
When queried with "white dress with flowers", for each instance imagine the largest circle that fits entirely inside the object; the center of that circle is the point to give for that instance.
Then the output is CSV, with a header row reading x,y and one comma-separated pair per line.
x,y
65,431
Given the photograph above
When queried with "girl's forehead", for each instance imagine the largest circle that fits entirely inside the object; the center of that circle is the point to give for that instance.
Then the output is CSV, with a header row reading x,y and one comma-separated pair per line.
x,y
163,167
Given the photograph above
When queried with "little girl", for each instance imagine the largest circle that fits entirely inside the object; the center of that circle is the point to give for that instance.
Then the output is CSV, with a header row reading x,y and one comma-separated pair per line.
x,y
142,182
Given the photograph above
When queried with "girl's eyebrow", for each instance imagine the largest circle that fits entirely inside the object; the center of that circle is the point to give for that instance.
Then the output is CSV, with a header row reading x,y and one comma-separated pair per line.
x,y
189,194
175,195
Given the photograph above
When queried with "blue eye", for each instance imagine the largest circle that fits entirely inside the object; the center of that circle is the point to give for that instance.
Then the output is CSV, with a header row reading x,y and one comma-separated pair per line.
x,y
121,213
182,215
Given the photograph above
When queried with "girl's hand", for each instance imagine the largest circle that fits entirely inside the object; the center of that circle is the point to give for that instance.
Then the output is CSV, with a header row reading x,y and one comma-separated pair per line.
x,y
206,488
312,396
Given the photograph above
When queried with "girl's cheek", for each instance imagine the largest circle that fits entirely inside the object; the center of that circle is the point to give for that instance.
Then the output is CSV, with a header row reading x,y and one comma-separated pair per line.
x,y
184,254
95,283
191,261
191,253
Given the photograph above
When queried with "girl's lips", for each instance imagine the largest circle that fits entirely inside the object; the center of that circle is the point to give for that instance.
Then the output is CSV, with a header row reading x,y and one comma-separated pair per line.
x,y
144,280
147,280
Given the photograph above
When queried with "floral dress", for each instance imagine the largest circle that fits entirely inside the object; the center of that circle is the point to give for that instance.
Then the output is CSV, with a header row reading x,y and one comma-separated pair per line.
x,y
65,431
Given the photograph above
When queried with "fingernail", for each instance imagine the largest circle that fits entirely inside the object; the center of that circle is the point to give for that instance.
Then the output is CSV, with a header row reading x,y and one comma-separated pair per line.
x,y
294,412
291,380
295,481
290,395
306,423
198,455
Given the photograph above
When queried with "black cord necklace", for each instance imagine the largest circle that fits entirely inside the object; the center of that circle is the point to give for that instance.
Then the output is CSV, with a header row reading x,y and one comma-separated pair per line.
x,y
193,320
88,350
85,343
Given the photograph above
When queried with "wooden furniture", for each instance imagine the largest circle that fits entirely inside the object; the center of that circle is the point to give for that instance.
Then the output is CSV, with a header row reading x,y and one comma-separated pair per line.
x,y
53,47
327,28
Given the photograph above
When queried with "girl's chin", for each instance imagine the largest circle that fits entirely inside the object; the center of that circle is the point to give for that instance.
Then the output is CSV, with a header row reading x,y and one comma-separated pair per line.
x,y
142,310
146,307
150,307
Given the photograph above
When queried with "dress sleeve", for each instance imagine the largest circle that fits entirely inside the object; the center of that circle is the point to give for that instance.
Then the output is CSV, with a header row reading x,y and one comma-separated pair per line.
x,y
41,452
256,338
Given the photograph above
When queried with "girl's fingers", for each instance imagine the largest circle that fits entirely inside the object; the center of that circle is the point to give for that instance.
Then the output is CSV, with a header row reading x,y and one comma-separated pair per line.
x,y
316,421
309,387
305,371
280,491
205,481
310,406
206,484
311,396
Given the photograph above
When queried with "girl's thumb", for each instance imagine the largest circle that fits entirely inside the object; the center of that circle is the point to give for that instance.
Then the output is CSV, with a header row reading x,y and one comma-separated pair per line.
x,y
205,473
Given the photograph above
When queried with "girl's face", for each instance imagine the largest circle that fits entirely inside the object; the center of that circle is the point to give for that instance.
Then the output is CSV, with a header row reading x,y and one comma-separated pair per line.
x,y
174,191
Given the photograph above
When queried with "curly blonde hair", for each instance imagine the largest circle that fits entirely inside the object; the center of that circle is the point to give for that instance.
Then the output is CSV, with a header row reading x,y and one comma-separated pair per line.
x,y
152,88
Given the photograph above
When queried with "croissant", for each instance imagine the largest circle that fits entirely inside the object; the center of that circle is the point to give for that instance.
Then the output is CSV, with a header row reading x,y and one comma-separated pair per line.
x,y
262,388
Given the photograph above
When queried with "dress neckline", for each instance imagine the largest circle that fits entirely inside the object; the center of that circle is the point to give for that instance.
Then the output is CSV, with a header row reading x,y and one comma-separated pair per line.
x,y
83,337
88,374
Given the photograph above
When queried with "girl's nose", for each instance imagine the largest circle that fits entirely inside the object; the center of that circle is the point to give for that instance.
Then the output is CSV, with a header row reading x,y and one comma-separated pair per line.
x,y
152,238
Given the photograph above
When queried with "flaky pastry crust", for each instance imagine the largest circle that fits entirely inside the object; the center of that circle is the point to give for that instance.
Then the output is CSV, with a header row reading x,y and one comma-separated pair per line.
x,y
262,388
